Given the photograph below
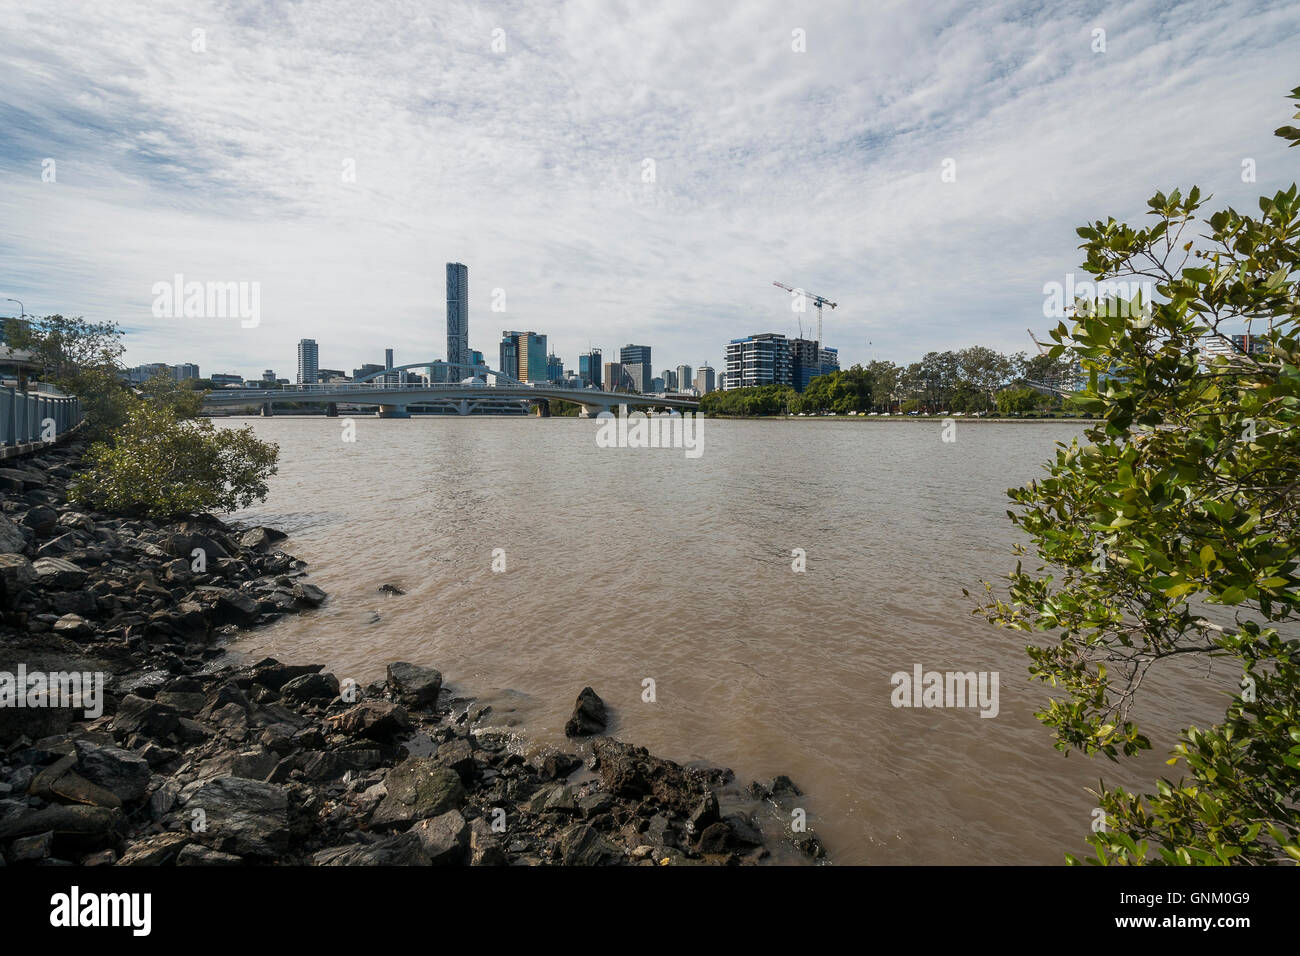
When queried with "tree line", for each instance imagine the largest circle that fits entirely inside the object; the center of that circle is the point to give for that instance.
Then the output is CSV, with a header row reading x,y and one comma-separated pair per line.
x,y
974,380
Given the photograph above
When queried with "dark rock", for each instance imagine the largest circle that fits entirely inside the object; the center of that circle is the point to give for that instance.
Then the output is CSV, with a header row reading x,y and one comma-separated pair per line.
x,y
73,626
57,573
195,855
444,838
390,589
376,719
457,754
241,816
154,850
415,686
418,788
401,849
308,595
136,715
583,845
33,848
311,687
271,673
81,827
588,715
12,539
705,813
124,773
41,519
484,847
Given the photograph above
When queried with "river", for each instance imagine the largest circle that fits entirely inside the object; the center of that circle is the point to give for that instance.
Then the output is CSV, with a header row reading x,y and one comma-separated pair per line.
x,y
627,565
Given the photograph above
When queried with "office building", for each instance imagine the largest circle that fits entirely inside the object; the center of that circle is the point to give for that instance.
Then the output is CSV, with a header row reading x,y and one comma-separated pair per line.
x,y
308,361
554,368
185,371
523,356
368,369
830,359
589,368
638,356
683,377
704,380
331,374
458,317
1249,344
618,379
759,359
221,379
268,376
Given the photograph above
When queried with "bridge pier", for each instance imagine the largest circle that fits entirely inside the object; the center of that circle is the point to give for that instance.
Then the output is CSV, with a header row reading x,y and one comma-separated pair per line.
x,y
590,411
267,410
332,410
392,411
543,409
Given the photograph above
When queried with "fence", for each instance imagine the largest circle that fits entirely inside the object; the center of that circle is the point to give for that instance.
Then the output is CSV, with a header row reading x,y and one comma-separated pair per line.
x,y
35,416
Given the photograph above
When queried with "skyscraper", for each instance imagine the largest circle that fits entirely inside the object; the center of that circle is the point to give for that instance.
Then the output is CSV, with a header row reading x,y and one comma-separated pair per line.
x,y
308,361
638,355
704,380
523,356
759,359
458,318
589,367
684,376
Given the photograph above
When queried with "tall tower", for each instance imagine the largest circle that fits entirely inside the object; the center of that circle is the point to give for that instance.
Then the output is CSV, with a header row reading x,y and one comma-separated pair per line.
x,y
308,361
458,318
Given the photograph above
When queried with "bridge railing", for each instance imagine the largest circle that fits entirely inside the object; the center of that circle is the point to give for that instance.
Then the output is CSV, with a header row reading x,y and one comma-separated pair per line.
x,y
36,416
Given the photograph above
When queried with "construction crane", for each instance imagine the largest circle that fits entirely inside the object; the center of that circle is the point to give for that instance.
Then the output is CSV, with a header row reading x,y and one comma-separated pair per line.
x,y
818,300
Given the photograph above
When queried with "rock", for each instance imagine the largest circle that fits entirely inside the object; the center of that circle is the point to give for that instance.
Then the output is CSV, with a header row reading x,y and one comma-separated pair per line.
x,y
271,673
254,764
376,719
415,686
457,754
391,589
16,576
310,687
444,838
308,594
401,849
233,607
256,539
137,715
154,850
588,715
196,855
628,771
744,830
484,847
57,573
60,783
583,845
12,539
41,519
73,626
241,816
418,788
33,848
705,813
783,786
78,827
122,772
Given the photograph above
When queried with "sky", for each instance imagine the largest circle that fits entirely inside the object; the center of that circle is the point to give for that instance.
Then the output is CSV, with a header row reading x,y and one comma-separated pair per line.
x,y
610,172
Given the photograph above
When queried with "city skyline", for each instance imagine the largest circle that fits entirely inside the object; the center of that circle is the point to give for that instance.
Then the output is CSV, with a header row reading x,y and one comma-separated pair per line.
x,y
601,161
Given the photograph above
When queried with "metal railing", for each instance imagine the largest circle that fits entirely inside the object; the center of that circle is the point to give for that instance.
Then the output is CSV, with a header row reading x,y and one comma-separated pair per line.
x,y
36,416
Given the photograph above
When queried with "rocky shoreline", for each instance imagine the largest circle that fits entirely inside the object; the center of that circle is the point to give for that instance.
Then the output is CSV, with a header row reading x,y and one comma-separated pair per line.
x,y
187,755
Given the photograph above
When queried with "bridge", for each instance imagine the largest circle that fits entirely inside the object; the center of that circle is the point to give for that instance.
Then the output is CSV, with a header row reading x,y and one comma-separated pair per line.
x,y
393,398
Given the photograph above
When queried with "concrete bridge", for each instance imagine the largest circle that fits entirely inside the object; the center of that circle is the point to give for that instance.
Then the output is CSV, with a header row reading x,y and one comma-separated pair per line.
x,y
392,399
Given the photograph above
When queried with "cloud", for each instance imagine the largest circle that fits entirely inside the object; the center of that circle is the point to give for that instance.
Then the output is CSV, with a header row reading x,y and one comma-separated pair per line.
x,y
820,169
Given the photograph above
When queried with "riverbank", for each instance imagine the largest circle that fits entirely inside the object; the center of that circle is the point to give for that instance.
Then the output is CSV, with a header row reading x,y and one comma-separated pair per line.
x,y
167,747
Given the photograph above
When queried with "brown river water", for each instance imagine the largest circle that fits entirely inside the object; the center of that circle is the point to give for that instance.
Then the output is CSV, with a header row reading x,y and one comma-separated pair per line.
x,y
624,565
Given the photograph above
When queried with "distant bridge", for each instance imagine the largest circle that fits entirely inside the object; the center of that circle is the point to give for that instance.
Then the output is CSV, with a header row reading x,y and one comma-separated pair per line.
x,y
393,398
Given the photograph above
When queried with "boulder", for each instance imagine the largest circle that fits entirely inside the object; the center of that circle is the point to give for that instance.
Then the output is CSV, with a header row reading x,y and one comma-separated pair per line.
x,y
308,594
197,855
240,816
16,576
588,716
12,539
583,845
57,573
75,827
41,518
376,719
122,772
154,850
444,838
400,849
310,687
73,626
415,686
418,788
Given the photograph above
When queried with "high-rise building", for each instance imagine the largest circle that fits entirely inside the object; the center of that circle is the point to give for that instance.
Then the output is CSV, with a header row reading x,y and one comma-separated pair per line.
x,y
308,361
704,380
368,369
1249,344
638,355
830,360
759,359
269,375
618,378
554,369
185,370
523,356
658,385
589,368
669,378
458,317
683,376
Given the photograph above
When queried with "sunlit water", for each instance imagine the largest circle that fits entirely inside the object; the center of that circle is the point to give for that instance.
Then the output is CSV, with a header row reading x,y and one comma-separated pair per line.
x,y
630,564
